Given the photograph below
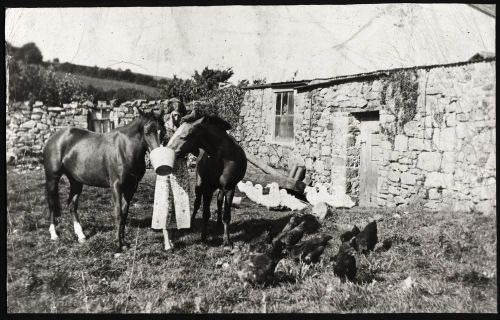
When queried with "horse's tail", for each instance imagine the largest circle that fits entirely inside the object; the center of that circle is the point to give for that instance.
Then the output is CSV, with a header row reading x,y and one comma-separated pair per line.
x,y
52,194
52,166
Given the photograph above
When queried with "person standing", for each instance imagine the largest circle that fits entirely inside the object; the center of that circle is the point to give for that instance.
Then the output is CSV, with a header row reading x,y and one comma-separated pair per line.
x,y
171,202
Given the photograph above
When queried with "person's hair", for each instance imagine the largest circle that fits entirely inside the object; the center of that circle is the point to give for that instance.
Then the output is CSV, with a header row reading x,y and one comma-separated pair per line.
x,y
175,104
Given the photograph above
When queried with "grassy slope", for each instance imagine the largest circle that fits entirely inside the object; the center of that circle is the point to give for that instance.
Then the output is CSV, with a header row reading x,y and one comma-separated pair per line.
x,y
108,84
446,253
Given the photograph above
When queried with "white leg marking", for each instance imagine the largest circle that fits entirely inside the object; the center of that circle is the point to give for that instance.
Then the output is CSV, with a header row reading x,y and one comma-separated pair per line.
x,y
53,234
79,231
168,243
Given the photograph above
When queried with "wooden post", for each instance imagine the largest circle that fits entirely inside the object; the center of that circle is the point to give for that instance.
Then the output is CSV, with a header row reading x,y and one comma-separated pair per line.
x,y
7,87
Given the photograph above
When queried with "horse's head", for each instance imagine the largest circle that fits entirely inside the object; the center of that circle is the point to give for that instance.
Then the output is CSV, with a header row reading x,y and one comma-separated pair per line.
x,y
153,128
195,132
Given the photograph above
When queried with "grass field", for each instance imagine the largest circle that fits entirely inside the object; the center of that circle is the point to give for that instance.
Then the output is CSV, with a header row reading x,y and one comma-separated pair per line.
x,y
451,257
109,84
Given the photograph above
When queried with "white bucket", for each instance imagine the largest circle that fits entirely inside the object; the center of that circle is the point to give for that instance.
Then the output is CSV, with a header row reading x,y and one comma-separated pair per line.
x,y
162,159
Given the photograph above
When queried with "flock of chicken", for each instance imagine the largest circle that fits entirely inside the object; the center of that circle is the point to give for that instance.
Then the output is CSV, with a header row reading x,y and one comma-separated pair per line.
x,y
257,267
280,198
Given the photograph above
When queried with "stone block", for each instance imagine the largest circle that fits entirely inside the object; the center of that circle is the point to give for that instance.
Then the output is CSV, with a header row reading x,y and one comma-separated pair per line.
x,y
393,176
448,162
408,178
28,125
55,109
438,179
450,119
429,161
401,143
413,129
434,194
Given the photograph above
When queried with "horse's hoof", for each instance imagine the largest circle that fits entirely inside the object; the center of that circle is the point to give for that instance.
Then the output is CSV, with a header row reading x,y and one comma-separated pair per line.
x,y
117,255
56,238
82,240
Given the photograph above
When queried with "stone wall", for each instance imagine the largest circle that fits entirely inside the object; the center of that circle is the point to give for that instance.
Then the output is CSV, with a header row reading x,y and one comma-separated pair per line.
x,y
28,127
445,155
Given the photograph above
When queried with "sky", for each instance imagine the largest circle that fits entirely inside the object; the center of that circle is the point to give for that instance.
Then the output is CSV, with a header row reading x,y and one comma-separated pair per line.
x,y
278,43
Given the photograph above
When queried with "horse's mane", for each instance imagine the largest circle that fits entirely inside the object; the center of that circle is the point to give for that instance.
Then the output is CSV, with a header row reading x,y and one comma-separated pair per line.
x,y
210,118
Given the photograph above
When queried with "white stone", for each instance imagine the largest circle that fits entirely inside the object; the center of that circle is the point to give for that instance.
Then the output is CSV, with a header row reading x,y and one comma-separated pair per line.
x,y
393,176
438,179
447,139
401,143
29,124
450,120
429,161
408,178
434,194
448,162
416,144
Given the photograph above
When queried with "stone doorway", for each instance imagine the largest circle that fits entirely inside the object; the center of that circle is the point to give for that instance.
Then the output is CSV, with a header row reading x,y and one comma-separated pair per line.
x,y
369,157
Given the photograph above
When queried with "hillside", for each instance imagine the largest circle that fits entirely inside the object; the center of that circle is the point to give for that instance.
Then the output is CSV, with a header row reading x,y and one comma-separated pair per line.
x,y
108,84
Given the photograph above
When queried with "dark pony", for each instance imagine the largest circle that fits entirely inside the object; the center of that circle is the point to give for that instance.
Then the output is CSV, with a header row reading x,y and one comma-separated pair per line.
x,y
221,164
112,160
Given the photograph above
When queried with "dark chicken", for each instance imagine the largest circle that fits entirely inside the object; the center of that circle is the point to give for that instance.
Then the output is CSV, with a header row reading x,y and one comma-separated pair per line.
x,y
258,268
346,236
311,250
263,242
367,239
292,223
345,262
292,237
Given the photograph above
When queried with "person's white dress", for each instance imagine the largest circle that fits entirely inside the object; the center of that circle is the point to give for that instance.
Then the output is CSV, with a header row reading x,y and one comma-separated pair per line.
x,y
171,200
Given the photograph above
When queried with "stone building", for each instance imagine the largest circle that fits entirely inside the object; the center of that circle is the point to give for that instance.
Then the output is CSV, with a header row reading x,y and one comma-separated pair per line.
x,y
386,138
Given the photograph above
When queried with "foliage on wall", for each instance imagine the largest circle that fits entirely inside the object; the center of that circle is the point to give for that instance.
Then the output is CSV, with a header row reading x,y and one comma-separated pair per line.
x,y
402,88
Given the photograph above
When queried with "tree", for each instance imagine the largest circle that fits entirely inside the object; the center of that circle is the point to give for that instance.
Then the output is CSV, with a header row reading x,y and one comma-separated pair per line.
x,y
55,60
29,53
210,78
259,81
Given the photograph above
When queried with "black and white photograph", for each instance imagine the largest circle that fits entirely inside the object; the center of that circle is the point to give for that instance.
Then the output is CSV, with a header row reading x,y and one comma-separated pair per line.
x,y
183,159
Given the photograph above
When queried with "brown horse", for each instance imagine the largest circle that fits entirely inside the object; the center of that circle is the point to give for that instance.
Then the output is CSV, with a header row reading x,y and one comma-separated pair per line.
x,y
111,160
221,166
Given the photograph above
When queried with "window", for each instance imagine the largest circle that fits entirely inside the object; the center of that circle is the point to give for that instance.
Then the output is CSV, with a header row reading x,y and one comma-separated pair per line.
x,y
283,128
100,121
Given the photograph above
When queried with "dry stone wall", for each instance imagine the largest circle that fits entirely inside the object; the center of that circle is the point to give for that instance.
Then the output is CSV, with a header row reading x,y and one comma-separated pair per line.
x,y
29,126
444,156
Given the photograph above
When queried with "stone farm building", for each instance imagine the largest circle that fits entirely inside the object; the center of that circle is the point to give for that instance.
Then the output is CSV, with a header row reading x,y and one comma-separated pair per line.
x,y
386,138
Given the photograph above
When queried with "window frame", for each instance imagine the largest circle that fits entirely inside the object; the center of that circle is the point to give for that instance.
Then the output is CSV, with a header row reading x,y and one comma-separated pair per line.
x,y
275,139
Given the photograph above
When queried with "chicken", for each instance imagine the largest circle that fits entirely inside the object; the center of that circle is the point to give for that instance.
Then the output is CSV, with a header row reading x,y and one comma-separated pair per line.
x,y
365,240
273,199
345,262
346,236
291,202
262,242
242,187
255,193
258,268
292,223
292,237
337,200
311,250
386,245
312,195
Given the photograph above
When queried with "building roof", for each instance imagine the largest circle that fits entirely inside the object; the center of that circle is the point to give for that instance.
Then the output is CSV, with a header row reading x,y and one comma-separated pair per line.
x,y
303,85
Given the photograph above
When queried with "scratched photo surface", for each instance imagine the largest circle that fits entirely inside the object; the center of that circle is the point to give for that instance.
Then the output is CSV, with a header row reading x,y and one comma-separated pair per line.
x,y
375,116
